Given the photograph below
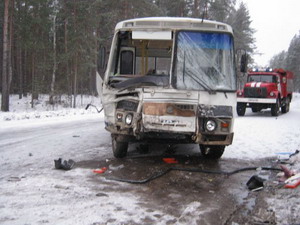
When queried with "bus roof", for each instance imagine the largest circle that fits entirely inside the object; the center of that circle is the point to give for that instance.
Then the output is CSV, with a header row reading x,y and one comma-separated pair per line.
x,y
173,23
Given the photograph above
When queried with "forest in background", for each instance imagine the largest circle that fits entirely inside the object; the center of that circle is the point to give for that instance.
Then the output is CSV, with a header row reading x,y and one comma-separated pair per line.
x,y
50,46
290,60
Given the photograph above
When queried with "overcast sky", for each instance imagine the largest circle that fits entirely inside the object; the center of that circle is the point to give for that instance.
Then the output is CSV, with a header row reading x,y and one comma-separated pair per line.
x,y
276,22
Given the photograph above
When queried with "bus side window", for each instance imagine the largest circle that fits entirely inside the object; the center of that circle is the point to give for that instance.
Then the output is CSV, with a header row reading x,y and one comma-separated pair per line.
x,y
126,64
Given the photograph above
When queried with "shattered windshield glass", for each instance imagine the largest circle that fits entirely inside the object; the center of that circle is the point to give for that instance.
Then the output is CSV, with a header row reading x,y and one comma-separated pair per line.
x,y
204,61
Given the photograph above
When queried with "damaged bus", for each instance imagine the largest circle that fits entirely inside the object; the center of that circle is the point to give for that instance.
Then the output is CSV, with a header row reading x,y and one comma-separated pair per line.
x,y
171,80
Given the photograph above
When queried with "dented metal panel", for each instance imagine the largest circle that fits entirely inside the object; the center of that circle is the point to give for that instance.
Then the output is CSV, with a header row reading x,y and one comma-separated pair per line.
x,y
170,95
161,109
169,123
169,117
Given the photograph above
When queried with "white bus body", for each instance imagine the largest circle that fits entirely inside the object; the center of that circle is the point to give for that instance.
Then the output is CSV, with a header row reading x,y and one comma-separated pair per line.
x,y
171,80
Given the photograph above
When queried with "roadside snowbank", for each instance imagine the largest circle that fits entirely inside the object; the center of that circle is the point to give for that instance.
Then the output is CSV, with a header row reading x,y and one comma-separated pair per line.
x,y
21,111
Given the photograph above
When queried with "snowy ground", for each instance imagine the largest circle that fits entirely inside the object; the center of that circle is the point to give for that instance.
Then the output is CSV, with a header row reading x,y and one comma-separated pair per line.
x,y
259,135
33,192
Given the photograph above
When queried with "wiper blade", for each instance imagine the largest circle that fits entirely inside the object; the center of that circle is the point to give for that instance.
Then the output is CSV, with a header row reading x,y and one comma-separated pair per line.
x,y
204,85
141,81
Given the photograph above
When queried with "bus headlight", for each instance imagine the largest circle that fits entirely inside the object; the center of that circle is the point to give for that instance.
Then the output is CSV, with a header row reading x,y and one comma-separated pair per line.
x,y
210,125
128,119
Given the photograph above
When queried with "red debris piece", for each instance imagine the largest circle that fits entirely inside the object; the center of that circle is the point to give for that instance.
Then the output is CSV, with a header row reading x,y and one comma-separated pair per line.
x,y
293,184
170,160
102,170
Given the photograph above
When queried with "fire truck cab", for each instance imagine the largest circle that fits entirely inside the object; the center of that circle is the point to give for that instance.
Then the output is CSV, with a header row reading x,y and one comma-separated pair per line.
x,y
266,89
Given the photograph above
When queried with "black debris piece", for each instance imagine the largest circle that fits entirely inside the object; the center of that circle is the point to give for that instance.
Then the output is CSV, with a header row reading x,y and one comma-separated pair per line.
x,y
64,164
255,182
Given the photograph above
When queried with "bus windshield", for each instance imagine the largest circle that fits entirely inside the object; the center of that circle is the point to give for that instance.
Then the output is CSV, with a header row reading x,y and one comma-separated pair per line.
x,y
204,61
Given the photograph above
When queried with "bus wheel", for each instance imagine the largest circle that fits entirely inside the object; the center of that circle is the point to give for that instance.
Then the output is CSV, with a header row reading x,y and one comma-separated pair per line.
x,y
212,151
119,148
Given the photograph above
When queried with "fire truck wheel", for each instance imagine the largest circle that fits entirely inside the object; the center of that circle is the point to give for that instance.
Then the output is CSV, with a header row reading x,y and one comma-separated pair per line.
x,y
119,148
286,107
275,108
212,151
241,109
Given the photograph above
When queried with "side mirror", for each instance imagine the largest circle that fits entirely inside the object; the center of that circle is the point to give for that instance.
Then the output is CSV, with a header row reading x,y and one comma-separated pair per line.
x,y
244,63
101,60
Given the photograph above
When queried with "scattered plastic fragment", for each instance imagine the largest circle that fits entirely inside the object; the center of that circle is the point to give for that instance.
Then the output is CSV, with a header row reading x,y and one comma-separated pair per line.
x,y
293,184
114,168
170,160
64,165
101,170
255,183
287,173
101,195
295,157
294,177
283,156
293,181
257,189
295,153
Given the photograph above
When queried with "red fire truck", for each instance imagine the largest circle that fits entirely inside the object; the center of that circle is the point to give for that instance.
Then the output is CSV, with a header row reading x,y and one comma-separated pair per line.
x,y
266,89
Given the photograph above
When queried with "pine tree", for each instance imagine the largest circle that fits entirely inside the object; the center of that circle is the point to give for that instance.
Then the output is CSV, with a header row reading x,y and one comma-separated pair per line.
x,y
220,10
279,60
293,60
5,64
241,23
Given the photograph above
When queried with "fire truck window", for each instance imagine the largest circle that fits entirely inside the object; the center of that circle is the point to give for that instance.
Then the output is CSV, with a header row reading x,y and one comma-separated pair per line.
x,y
126,66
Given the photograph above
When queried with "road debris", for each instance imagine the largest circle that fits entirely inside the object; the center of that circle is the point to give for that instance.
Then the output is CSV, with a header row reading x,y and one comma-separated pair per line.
x,y
255,183
101,170
290,177
114,168
14,179
102,195
293,181
170,160
64,165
